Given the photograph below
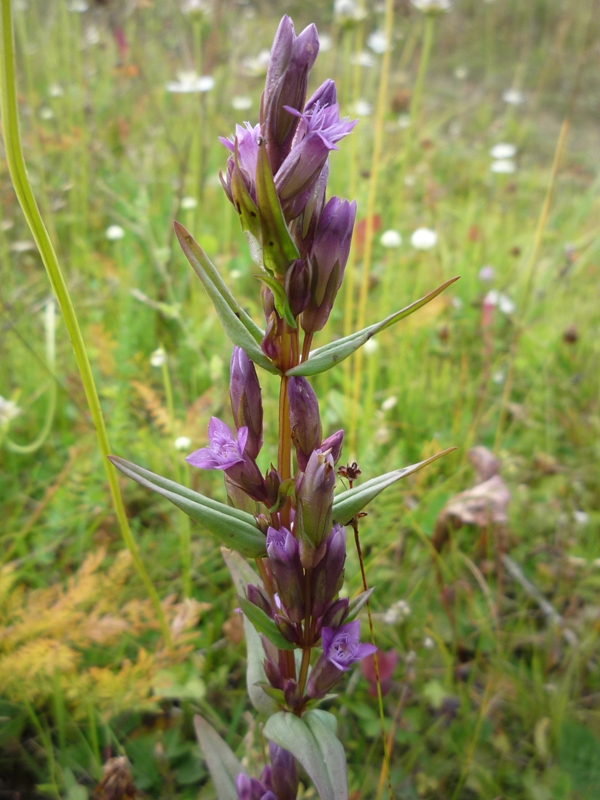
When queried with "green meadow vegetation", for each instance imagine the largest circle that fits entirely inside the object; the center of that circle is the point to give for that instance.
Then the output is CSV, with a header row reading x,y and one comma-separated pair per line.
x,y
495,622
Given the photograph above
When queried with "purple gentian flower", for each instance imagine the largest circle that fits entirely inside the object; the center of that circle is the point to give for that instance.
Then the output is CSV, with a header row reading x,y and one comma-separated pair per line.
x,y
284,558
305,421
246,400
342,647
246,139
224,449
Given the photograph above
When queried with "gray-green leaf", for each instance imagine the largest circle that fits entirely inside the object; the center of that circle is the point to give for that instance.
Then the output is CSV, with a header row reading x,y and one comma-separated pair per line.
x,y
242,574
329,355
222,764
238,325
314,743
234,528
264,624
346,505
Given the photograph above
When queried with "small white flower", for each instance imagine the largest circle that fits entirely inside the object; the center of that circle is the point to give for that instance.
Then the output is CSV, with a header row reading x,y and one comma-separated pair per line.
x,y
487,273
8,411
503,166
409,180
378,42
460,73
325,42
397,612
363,108
23,246
391,238
404,121
491,298
91,35
513,97
189,81
77,6
428,643
580,517
55,90
257,66
182,443
348,10
389,403
235,274
503,150
457,303
498,377
424,239
505,304
196,8
188,203
363,59
46,112
158,357
370,347
429,6
241,102
114,232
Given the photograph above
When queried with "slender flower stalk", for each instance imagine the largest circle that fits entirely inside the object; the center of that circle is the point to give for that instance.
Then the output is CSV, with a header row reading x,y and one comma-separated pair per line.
x,y
18,174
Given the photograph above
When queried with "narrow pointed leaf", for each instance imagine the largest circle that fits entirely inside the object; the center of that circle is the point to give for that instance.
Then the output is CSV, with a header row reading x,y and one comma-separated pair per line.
x,y
238,326
264,624
313,742
242,574
234,528
346,505
222,764
326,357
279,249
358,602
279,298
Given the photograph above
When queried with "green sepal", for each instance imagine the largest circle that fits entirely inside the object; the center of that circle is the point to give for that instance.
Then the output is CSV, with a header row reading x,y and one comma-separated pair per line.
x,y
279,298
245,205
357,603
286,489
275,694
347,505
240,328
264,624
326,357
278,246
234,528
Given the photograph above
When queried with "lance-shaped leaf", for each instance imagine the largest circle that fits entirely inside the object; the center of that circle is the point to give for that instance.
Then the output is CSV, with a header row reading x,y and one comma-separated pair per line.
x,y
234,528
278,246
326,357
314,743
346,505
222,764
358,602
238,325
242,574
264,624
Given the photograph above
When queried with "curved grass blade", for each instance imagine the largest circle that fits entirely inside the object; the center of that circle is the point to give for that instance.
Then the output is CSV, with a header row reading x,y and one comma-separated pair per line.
x,y
326,357
234,528
346,505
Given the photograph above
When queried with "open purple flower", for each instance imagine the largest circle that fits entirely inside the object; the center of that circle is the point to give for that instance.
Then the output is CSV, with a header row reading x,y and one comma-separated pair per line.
x,y
342,647
224,449
246,139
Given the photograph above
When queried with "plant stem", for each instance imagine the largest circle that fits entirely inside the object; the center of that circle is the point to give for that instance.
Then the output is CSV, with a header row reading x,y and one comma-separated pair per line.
x,y
18,173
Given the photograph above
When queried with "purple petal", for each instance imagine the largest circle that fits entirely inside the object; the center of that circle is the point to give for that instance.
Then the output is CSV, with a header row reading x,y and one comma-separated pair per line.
x,y
364,650
242,438
327,635
203,459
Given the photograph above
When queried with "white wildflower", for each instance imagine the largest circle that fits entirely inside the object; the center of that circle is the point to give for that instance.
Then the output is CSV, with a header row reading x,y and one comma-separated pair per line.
x,y
460,73
513,97
55,90
378,42
189,81
46,113
114,232
503,166
241,102
258,65
158,357
77,6
391,238
398,612
432,6
505,304
424,239
370,347
188,203
325,42
499,377
363,108
487,273
428,643
389,403
580,517
404,121
363,59
182,443
503,150
348,11
8,411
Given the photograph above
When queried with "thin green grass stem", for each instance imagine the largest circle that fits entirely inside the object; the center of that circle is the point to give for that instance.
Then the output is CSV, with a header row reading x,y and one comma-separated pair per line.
x,y
382,100
417,97
18,173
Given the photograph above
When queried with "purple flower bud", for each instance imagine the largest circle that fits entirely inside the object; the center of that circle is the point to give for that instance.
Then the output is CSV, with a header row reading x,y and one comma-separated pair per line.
x,y
291,692
304,227
328,575
226,452
325,95
341,649
297,286
284,560
299,173
287,629
291,60
314,507
246,401
334,443
246,139
268,301
273,674
249,788
238,498
284,773
336,613
329,255
258,597
273,481
305,421
271,343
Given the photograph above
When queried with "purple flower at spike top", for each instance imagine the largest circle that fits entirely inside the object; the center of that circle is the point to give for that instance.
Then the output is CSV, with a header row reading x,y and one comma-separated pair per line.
x,y
224,449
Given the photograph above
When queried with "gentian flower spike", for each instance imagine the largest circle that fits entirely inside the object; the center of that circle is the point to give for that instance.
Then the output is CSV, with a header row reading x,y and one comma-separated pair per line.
x,y
314,503
305,421
328,575
284,559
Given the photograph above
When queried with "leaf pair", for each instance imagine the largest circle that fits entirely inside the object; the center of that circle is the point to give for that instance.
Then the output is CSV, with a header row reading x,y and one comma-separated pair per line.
x,y
234,528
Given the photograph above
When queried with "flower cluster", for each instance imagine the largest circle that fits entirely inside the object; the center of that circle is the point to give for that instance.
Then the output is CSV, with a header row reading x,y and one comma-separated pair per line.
x,y
276,178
